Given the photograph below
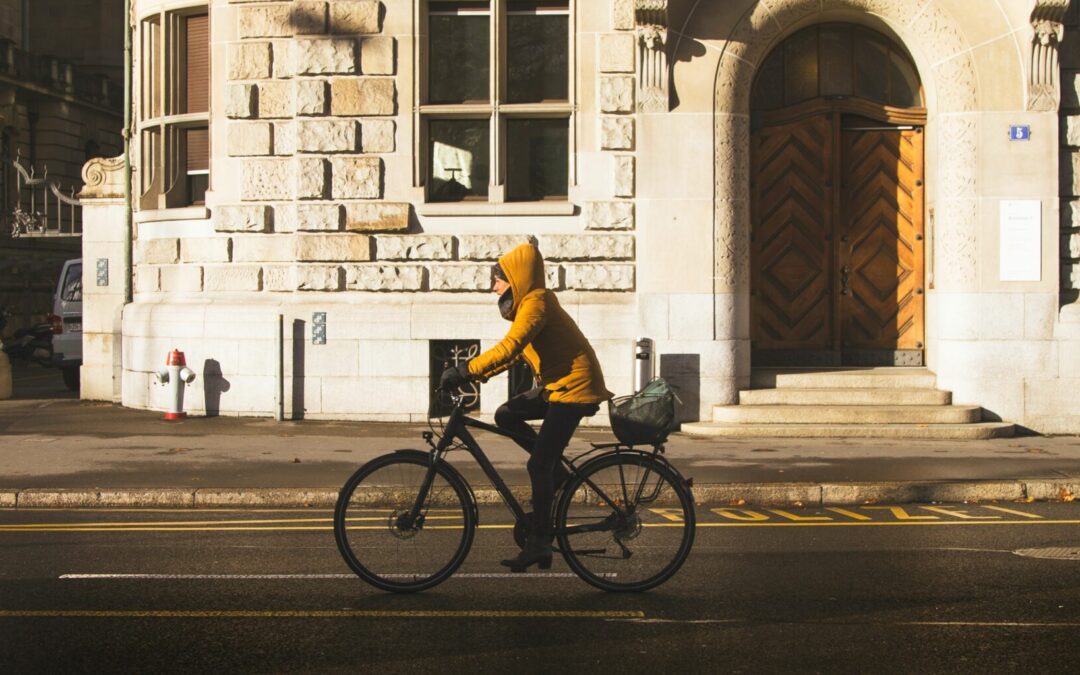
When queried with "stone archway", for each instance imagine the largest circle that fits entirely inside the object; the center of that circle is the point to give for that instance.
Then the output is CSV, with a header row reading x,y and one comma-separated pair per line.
x,y
948,71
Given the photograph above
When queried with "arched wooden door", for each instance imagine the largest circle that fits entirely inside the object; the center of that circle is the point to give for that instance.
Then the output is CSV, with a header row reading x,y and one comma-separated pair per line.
x,y
837,222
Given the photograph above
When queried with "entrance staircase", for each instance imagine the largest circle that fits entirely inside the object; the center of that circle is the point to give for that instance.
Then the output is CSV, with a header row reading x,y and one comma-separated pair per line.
x,y
847,402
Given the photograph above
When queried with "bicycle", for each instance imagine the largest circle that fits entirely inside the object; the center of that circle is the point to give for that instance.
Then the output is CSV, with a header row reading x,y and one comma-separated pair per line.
x,y
405,521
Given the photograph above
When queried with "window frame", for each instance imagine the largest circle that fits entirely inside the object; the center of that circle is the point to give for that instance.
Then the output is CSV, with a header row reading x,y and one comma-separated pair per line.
x,y
162,93
496,111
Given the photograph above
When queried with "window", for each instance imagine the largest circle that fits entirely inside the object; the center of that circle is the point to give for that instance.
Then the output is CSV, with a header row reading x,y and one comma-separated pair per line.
x,y
174,128
495,101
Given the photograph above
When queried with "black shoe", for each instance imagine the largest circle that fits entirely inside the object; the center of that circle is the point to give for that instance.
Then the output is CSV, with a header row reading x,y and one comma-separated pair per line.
x,y
537,551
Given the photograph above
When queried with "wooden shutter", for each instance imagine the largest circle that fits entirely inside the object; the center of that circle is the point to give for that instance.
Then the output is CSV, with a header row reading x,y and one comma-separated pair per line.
x,y
197,63
198,149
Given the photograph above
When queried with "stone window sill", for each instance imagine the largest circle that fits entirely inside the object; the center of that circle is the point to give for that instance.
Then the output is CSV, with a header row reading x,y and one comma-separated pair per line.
x,y
163,215
490,209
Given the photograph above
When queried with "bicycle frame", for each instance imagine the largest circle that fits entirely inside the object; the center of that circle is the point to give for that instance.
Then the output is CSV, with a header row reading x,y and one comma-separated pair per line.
x,y
457,429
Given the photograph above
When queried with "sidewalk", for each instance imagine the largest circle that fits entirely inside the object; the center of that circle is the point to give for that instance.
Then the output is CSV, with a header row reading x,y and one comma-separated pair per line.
x,y
63,452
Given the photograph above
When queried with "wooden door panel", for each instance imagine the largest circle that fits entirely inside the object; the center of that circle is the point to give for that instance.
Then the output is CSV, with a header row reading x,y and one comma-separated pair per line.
x,y
881,252
792,222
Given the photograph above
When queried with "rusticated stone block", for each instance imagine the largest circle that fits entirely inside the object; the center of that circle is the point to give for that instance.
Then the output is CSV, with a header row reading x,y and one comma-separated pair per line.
x,y
275,100
302,278
1070,214
459,277
384,277
181,278
587,246
285,218
312,175
157,251
147,279
1070,245
622,14
624,176
241,101
489,246
284,63
354,18
264,248
377,55
247,139
354,96
266,179
311,97
617,52
617,94
414,247
553,277
205,249
377,135
319,217
324,56
606,277
376,216
241,218
333,248
617,133
284,138
304,17
357,177
229,278
326,136
609,215
249,60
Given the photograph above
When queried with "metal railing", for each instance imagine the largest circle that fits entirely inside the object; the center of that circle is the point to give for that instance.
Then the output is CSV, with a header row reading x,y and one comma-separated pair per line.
x,y
65,220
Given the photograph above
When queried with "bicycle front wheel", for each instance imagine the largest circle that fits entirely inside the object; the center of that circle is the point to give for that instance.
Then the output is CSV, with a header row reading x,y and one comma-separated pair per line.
x,y
393,539
626,522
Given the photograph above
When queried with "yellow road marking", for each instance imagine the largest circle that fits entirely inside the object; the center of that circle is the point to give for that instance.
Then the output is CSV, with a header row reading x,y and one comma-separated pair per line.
x,y
317,614
849,514
1011,511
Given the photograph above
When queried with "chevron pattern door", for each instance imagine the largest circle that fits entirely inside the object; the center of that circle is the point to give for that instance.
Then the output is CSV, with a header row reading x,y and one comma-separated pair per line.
x,y
837,242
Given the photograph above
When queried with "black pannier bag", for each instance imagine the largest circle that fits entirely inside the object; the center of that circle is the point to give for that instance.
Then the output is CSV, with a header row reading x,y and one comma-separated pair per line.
x,y
644,418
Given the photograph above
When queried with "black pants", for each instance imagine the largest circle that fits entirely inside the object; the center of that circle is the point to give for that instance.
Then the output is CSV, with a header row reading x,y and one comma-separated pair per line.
x,y
546,447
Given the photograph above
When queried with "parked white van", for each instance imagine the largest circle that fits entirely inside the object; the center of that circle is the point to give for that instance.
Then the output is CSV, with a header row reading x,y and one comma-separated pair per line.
x,y
66,320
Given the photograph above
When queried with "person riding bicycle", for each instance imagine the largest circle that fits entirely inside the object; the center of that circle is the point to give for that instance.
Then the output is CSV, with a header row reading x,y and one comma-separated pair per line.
x,y
571,384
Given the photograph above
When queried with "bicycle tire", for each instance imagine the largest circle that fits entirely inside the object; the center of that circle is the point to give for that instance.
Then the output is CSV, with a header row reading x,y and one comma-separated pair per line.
x,y
618,558
368,523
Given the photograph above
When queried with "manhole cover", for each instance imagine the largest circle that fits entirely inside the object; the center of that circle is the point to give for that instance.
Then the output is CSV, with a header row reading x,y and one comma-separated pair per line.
x,y
1056,553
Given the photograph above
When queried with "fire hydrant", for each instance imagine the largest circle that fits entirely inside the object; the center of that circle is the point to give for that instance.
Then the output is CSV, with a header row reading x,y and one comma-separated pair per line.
x,y
175,375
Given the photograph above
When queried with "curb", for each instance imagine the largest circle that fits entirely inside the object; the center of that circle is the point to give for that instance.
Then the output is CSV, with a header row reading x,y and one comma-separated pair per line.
x,y
762,494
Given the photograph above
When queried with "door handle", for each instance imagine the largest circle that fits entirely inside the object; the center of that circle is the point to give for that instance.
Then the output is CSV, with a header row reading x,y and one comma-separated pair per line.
x,y
845,278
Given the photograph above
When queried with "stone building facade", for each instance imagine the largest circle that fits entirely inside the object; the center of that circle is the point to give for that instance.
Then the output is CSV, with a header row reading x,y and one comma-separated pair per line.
x,y
366,161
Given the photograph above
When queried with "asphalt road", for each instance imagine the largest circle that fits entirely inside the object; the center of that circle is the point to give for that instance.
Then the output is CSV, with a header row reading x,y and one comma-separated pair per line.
x,y
918,588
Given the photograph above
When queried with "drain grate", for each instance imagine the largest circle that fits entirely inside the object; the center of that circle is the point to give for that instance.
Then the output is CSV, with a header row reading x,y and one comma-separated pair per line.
x,y
1053,553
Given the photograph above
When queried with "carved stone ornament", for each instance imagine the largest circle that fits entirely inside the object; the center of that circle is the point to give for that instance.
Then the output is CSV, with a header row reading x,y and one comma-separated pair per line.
x,y
103,178
1044,89
652,45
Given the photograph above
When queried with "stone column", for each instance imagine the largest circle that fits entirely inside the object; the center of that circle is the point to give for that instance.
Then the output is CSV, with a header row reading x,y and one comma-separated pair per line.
x,y
103,277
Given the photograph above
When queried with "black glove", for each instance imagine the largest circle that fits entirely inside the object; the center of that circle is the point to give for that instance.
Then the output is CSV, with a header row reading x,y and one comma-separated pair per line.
x,y
455,377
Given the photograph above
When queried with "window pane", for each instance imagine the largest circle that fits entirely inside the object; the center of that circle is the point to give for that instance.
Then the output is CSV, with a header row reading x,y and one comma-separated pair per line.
x,y
769,84
197,159
871,67
459,58
801,67
836,75
197,63
458,152
537,53
536,159
903,83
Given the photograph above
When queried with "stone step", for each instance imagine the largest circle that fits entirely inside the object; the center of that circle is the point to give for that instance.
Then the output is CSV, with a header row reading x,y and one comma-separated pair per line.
x,y
843,378
844,396
847,414
980,431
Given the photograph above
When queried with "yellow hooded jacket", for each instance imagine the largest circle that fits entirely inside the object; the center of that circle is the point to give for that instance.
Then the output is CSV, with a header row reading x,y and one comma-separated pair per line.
x,y
544,335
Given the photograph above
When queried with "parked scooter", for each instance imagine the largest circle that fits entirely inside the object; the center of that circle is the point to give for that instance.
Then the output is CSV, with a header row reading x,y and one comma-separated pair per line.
x,y
33,344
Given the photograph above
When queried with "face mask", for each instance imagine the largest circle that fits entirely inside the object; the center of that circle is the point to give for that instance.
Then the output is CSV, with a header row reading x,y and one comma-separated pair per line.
x,y
506,303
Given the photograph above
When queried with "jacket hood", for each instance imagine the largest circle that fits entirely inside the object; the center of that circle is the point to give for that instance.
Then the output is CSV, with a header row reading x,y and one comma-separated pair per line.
x,y
524,269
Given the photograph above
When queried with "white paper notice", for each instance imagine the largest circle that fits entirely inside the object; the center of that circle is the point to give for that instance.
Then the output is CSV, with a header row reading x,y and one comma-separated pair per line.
x,y
1021,240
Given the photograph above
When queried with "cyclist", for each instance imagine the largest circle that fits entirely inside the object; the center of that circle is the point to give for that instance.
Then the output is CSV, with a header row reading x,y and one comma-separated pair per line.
x,y
571,384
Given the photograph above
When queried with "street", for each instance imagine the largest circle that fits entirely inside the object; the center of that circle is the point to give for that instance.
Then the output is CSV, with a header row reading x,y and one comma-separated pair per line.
x,y
911,588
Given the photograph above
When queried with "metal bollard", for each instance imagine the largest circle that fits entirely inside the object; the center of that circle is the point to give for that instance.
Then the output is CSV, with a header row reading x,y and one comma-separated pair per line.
x,y
644,367
175,375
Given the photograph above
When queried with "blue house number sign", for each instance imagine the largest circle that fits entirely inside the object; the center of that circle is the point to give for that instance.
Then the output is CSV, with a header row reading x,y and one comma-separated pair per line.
x,y
1019,133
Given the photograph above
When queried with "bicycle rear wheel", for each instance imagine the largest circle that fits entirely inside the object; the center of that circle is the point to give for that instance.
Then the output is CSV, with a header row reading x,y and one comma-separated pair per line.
x,y
626,522
383,543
